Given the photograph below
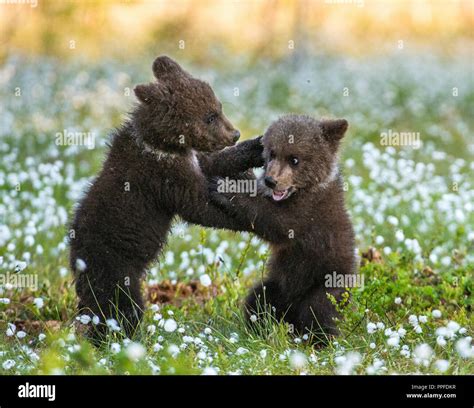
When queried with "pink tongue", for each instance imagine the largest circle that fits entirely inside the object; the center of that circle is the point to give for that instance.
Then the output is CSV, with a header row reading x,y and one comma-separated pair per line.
x,y
277,196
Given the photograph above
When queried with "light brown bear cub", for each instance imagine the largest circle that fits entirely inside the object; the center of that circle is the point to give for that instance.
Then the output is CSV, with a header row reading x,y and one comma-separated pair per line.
x,y
300,211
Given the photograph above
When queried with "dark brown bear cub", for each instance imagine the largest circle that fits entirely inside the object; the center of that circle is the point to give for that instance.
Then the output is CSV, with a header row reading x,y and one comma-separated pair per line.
x,y
300,211
154,171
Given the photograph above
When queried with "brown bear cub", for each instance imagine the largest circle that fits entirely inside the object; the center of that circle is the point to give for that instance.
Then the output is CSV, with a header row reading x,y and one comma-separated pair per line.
x,y
300,211
155,170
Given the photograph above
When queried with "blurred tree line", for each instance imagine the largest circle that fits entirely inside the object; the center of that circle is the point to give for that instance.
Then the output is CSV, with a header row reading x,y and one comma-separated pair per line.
x,y
201,29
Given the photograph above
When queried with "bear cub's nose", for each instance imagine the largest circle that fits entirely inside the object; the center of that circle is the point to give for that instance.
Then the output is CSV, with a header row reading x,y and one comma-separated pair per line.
x,y
270,182
236,135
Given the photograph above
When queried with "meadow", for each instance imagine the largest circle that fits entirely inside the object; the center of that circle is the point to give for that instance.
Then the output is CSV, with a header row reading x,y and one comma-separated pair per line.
x,y
412,209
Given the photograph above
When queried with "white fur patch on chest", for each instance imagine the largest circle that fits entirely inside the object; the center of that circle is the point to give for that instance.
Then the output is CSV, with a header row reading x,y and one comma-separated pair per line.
x,y
331,177
190,159
194,161
159,154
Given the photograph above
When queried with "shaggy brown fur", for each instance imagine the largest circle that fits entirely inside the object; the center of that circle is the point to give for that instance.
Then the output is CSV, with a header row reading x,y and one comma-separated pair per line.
x,y
152,173
300,211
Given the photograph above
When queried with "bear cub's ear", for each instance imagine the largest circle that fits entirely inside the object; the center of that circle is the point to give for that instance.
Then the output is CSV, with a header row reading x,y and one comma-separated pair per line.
x,y
165,66
144,93
334,129
152,92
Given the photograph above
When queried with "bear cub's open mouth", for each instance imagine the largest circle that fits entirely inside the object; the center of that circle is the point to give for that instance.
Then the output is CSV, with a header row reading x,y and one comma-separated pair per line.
x,y
279,195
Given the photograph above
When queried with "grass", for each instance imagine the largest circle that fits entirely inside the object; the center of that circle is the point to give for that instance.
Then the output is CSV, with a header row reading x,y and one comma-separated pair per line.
x,y
414,206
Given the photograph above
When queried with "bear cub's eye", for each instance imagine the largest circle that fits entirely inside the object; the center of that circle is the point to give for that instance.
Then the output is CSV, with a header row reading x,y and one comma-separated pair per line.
x,y
294,160
211,118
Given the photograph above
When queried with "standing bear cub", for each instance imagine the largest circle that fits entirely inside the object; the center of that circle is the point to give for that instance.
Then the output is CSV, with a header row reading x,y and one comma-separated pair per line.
x,y
155,170
300,211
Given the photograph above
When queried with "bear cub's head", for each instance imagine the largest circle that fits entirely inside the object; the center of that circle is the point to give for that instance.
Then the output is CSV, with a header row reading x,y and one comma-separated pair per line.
x,y
180,112
301,154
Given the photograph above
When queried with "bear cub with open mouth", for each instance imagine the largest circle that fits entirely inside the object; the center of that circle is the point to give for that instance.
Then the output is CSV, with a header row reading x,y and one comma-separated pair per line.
x,y
300,211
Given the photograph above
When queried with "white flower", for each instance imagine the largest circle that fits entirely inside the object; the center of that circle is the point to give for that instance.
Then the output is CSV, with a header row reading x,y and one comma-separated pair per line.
x,y
95,320
371,328
441,341
464,348
173,350
413,320
170,325
112,324
205,280
372,345
135,351
263,354
398,301
393,340
392,220
298,360
20,266
207,330
436,313
115,348
379,240
422,354
399,235
4,301
401,332
154,308
209,371
253,318
378,365
387,250
39,302
454,326
347,363
11,329
388,332
422,319
41,336
80,265
241,350
446,261
8,364
84,319
151,329
21,334
157,347
380,326
442,365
